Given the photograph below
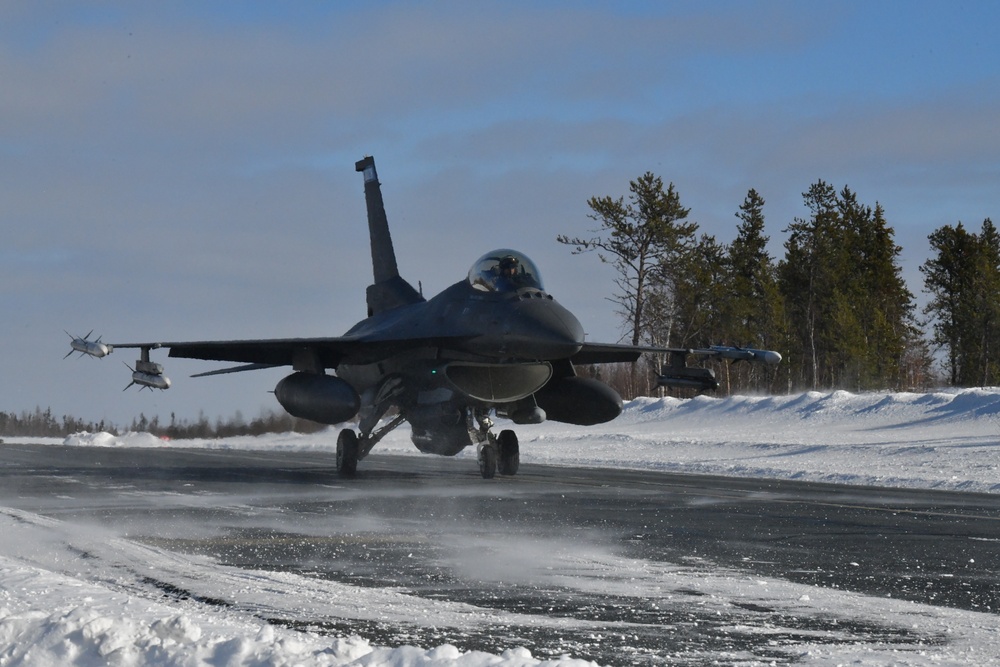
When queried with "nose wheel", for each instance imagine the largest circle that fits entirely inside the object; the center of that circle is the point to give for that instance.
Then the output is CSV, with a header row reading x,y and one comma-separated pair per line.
x,y
500,454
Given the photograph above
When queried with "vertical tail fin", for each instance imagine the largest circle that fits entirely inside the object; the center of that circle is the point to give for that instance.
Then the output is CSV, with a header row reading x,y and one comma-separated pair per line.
x,y
389,289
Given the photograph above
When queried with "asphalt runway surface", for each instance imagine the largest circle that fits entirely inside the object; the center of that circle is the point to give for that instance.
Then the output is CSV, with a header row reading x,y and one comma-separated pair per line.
x,y
405,522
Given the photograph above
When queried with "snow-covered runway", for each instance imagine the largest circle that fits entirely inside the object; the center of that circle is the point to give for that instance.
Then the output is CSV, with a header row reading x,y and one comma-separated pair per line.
x,y
76,592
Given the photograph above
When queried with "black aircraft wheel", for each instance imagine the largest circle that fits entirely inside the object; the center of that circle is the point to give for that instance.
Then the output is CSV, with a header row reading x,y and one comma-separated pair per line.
x,y
510,456
347,453
488,461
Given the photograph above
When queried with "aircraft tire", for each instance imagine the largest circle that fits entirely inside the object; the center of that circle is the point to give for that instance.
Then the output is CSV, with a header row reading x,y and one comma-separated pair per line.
x,y
510,453
488,461
347,453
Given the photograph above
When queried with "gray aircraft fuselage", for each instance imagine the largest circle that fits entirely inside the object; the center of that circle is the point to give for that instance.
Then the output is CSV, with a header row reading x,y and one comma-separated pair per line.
x,y
494,344
477,350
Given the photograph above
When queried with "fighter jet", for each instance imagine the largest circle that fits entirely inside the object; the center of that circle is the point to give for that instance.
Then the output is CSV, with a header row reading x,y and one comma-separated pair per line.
x,y
493,345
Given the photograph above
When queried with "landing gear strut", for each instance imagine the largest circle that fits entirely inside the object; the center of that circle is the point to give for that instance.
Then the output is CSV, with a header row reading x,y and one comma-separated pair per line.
x,y
351,446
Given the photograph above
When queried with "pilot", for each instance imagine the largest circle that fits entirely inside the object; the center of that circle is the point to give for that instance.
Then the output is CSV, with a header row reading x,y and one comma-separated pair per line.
x,y
508,273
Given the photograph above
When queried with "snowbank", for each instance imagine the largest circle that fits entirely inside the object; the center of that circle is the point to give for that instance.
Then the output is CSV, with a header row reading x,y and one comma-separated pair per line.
x,y
944,440
51,620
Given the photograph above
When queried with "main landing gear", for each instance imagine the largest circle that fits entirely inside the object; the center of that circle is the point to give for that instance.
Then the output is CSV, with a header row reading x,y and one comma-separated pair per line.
x,y
496,453
347,453
352,447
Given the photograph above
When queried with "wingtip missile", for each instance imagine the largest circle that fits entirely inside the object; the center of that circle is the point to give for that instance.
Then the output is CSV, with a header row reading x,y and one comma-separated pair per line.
x,y
769,357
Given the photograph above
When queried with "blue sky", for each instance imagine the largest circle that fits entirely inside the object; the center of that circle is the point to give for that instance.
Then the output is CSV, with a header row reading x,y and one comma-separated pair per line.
x,y
185,170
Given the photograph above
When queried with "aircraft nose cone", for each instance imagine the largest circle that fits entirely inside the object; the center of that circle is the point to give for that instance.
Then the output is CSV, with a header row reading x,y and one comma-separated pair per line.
x,y
542,329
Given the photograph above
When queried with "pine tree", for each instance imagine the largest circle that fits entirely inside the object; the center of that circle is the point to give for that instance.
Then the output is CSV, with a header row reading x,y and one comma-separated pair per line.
x,y
949,279
963,279
810,281
638,238
988,302
850,313
881,303
700,285
754,306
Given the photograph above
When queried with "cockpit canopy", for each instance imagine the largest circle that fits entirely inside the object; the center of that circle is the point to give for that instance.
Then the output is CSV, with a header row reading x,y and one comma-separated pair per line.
x,y
504,271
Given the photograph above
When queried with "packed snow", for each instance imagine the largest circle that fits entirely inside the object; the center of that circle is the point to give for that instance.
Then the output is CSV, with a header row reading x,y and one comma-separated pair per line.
x,y
52,614
943,440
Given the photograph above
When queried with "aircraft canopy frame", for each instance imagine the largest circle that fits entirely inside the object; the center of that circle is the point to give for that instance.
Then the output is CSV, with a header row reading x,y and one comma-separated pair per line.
x,y
503,271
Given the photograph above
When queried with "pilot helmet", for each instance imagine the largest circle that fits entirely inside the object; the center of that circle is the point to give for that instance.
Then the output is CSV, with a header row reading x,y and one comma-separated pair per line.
x,y
508,266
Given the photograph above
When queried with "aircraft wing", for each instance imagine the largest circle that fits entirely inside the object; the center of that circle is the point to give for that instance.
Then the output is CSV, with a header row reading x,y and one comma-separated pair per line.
x,y
677,373
609,353
264,353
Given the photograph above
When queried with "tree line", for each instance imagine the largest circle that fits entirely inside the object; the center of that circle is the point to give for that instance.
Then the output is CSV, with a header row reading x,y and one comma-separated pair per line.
x,y
836,305
43,424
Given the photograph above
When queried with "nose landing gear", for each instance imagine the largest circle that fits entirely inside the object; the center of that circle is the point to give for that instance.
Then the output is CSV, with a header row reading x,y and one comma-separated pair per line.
x,y
498,453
